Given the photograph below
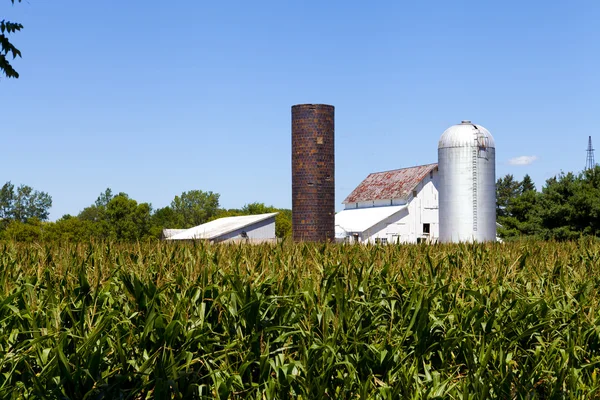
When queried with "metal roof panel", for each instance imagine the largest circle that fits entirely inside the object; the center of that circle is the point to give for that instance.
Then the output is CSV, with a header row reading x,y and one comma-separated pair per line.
x,y
219,227
394,184
361,219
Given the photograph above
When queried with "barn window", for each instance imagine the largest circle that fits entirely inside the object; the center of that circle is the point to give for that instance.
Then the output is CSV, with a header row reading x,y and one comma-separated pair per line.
x,y
426,229
414,193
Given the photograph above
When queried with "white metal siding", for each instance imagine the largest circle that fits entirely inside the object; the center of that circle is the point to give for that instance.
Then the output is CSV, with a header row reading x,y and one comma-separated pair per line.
x,y
407,226
260,231
467,190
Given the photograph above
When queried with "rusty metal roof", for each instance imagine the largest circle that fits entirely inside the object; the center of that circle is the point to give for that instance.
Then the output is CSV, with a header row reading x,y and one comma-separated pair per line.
x,y
394,184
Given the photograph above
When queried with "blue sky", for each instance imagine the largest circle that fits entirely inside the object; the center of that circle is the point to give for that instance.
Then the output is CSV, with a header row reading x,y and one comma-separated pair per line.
x,y
156,98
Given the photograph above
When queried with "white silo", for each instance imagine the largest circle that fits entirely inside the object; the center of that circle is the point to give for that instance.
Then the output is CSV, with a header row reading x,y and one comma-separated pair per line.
x,y
467,190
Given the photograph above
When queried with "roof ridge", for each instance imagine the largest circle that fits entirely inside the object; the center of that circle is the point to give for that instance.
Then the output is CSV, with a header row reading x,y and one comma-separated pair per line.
x,y
391,184
400,169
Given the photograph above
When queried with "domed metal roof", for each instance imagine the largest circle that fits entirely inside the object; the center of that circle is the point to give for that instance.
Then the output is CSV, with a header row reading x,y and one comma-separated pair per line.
x,y
464,135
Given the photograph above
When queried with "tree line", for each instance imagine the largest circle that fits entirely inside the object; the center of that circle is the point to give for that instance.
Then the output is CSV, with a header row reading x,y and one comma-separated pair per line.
x,y
567,207
24,216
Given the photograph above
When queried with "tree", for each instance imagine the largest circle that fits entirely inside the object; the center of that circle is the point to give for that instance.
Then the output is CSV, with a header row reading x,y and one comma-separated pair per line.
x,y
31,203
283,223
194,208
162,218
7,201
23,204
70,229
257,208
114,217
104,198
506,189
556,207
127,219
517,206
30,231
7,48
527,184
92,213
523,217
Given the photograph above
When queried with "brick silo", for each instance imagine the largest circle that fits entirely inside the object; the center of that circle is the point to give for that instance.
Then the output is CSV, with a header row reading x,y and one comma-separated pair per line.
x,y
313,169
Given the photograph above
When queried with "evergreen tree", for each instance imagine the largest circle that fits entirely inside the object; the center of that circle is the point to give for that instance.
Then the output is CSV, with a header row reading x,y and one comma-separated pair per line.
x,y
506,188
527,184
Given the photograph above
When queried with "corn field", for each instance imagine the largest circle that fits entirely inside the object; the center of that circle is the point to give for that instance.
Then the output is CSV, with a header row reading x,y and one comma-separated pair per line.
x,y
306,321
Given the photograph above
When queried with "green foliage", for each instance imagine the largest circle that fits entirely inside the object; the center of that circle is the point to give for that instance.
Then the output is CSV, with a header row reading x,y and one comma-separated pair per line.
x,y
570,205
527,184
27,232
163,218
127,219
71,229
24,203
116,217
104,198
507,188
257,208
29,203
283,223
194,208
567,207
7,201
113,217
7,48
164,320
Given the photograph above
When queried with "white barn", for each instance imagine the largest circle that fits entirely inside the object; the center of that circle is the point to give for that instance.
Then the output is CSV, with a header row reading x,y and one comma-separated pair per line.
x,y
244,228
398,206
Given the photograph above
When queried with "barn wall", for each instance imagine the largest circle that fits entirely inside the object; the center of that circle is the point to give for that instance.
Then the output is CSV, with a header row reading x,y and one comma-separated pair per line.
x,y
393,229
407,225
425,209
258,232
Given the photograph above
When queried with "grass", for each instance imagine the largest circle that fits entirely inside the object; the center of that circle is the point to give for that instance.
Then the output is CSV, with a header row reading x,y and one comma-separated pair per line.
x,y
168,320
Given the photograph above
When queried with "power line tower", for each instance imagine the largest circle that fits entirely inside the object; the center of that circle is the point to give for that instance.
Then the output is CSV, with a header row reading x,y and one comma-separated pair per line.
x,y
589,162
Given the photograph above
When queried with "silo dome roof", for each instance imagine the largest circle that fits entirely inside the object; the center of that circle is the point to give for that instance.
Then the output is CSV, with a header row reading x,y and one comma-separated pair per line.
x,y
464,135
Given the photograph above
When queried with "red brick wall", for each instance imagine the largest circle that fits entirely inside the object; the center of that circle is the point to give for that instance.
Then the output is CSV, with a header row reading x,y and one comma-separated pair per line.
x,y
313,169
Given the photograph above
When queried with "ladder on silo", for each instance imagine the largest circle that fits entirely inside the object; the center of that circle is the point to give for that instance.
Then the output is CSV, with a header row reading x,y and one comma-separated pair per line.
x,y
475,157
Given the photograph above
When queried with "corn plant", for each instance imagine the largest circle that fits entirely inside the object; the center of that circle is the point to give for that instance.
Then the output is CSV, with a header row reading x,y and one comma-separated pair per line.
x,y
277,321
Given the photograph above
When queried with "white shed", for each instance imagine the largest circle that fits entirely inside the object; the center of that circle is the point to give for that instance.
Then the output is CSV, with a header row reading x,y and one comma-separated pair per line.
x,y
392,206
247,228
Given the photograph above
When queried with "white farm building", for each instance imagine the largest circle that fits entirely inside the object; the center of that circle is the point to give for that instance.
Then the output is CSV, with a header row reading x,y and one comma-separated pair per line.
x,y
398,206
245,228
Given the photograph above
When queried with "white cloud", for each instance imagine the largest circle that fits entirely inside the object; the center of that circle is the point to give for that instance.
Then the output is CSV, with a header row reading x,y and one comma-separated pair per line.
x,y
522,160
